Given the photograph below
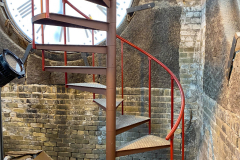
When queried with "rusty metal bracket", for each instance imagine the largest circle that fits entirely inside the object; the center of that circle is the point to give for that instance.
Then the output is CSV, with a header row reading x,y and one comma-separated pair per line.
x,y
27,52
131,10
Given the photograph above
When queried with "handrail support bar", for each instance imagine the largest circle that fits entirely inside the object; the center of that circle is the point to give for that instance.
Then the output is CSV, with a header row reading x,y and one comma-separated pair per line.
x,y
149,95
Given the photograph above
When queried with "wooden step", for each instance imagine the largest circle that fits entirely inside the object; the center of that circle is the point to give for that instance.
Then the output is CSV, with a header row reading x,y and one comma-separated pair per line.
x,y
143,144
69,21
89,87
72,48
105,3
126,122
77,69
102,103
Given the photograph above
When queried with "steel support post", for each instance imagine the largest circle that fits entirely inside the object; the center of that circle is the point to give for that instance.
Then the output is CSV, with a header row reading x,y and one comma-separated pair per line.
x,y
111,84
1,130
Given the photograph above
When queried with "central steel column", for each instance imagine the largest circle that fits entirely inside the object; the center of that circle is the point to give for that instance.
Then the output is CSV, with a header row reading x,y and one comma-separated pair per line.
x,y
111,83
1,131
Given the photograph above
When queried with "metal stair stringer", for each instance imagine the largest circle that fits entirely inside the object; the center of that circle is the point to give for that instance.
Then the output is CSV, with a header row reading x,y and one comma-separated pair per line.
x,y
114,125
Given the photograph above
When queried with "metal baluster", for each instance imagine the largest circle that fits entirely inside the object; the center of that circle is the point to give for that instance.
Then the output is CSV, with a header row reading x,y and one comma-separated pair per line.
x,y
149,95
172,115
47,9
93,61
43,52
33,30
65,42
122,72
183,136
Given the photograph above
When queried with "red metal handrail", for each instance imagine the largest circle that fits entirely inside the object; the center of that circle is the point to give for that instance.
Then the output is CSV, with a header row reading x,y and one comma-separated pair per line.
x,y
173,77
150,57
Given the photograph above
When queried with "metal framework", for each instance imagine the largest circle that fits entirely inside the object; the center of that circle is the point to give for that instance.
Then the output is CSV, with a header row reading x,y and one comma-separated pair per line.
x,y
124,122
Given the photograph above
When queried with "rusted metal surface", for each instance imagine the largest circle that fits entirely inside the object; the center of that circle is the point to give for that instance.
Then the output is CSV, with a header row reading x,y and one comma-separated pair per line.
x,y
105,3
126,122
111,83
102,103
143,144
77,69
89,87
69,21
72,48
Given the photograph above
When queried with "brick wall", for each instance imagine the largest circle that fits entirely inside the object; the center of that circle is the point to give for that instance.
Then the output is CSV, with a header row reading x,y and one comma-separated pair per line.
x,y
215,131
68,125
191,72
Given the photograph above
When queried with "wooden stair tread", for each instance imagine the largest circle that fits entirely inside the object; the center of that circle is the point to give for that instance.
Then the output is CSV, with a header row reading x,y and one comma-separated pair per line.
x,y
105,3
126,122
77,69
69,21
102,103
90,87
143,144
73,48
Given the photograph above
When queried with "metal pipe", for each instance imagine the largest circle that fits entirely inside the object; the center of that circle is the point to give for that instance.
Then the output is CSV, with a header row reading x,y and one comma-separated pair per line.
x,y
183,137
122,72
172,115
111,83
33,30
77,10
47,8
149,95
174,77
1,130
93,61
43,52
65,42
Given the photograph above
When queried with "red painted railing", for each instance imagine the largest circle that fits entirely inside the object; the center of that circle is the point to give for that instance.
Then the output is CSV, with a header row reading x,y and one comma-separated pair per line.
x,y
150,57
173,78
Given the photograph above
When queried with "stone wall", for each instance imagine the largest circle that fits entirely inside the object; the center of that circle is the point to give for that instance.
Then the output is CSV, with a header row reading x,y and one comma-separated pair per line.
x,y
218,114
191,72
68,125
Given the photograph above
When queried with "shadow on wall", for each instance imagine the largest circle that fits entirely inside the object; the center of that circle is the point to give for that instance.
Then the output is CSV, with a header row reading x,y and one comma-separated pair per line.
x,y
222,22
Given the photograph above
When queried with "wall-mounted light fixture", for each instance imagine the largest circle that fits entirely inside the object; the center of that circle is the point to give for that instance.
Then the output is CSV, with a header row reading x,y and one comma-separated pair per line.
x,y
11,67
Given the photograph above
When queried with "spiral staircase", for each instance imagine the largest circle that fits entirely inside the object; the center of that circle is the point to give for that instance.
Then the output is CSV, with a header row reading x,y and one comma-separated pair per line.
x,y
114,125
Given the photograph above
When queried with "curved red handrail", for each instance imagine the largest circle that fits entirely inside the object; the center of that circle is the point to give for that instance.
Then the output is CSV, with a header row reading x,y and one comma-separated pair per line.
x,y
174,77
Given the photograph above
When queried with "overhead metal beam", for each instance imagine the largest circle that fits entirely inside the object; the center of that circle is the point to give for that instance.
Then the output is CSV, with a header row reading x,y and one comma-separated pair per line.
x,y
27,52
139,8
